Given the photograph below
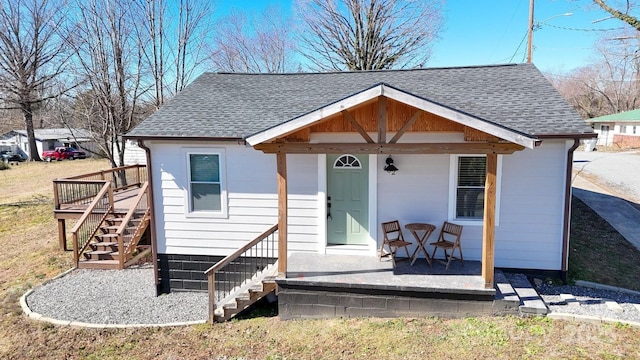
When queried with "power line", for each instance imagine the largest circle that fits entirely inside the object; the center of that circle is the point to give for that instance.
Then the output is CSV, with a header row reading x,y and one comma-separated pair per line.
x,y
518,48
586,30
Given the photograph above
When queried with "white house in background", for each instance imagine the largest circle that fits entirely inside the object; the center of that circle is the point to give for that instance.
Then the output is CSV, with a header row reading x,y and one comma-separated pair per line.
x,y
133,154
621,130
49,139
224,149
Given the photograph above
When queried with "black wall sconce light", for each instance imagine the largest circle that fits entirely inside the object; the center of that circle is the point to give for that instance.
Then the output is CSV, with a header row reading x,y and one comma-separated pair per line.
x,y
390,168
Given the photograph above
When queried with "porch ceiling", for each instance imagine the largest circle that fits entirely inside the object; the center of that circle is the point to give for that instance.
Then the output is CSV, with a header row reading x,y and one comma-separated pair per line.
x,y
382,109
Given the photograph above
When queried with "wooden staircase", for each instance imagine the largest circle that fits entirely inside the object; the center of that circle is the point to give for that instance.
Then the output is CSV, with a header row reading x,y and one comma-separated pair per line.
x,y
248,295
244,277
103,251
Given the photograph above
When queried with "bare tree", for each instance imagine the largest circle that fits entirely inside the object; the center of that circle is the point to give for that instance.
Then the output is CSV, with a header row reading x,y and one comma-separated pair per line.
x,y
32,57
368,34
176,49
258,43
608,86
109,56
620,14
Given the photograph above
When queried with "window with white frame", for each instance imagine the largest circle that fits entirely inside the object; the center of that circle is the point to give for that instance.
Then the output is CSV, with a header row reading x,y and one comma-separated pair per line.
x,y
468,174
206,193
623,129
472,171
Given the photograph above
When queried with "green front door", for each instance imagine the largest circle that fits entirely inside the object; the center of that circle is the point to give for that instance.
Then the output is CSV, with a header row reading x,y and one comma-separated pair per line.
x,y
347,199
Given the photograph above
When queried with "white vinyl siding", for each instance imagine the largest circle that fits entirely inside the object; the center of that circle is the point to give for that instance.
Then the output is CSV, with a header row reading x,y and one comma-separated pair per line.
x,y
530,212
531,196
249,177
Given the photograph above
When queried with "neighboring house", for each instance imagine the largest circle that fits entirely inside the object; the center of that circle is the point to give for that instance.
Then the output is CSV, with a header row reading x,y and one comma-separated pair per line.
x,y
133,154
49,139
234,154
621,130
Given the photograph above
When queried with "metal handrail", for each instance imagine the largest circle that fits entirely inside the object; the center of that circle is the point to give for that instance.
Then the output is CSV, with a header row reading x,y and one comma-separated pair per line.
x,y
78,189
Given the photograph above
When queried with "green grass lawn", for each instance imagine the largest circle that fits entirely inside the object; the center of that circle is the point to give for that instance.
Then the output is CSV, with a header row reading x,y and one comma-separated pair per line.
x,y
599,253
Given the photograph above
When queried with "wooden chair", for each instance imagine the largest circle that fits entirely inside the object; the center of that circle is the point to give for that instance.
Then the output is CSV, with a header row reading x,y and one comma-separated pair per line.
x,y
393,239
449,239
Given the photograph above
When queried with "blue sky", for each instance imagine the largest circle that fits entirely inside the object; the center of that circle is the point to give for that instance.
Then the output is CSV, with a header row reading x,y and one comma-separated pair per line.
x,y
479,32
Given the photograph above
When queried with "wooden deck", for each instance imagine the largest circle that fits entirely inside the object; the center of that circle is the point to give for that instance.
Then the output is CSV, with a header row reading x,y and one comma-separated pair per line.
x,y
321,286
123,200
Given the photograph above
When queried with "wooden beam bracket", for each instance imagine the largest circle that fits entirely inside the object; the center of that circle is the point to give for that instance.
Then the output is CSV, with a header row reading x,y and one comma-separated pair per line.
x,y
356,125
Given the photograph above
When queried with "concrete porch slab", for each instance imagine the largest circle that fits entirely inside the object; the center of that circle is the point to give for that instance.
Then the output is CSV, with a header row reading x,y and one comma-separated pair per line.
x,y
369,275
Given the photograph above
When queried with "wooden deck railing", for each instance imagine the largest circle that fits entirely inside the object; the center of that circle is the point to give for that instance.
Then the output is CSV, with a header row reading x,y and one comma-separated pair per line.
x,y
89,223
230,273
128,230
81,189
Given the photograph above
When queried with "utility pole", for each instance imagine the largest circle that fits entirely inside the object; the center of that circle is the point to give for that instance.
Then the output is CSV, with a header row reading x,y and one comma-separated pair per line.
x,y
530,37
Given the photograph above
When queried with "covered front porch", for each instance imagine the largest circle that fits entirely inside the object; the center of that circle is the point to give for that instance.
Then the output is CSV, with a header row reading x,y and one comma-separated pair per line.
x,y
321,286
384,121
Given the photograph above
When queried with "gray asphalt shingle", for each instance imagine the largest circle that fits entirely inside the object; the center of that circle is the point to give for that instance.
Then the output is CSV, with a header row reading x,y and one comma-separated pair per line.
x,y
222,105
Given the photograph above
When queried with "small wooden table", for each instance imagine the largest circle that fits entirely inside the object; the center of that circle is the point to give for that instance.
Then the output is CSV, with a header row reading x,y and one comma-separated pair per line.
x,y
421,239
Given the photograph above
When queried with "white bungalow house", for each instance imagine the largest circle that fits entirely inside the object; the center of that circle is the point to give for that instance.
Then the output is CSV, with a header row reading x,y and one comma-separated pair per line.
x,y
621,130
487,147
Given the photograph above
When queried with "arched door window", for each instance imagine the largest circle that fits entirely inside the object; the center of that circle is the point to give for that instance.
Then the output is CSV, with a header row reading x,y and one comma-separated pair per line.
x,y
347,162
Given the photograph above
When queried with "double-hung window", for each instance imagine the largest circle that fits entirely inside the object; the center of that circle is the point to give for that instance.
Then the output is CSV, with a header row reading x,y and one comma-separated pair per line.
x,y
206,192
467,186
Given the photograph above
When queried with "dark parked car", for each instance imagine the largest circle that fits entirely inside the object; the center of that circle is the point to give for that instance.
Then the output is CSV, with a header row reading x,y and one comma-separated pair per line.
x,y
8,156
74,153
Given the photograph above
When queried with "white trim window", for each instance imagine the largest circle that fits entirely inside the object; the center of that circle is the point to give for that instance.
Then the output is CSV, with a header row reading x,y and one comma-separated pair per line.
x,y
466,190
206,191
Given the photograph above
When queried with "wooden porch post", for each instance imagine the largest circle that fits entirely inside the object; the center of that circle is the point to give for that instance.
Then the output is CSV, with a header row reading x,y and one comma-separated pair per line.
x,y
281,159
489,228
62,234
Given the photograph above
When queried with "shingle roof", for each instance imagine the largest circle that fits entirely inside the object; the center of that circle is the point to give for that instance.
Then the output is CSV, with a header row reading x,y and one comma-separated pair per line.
x,y
222,105
630,116
58,134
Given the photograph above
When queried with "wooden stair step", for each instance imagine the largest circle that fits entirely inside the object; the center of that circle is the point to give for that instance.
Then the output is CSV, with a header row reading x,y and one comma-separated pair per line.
x,y
98,264
106,236
101,255
105,244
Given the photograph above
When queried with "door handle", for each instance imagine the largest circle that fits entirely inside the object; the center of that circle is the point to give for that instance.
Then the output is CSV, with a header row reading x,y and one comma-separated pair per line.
x,y
329,208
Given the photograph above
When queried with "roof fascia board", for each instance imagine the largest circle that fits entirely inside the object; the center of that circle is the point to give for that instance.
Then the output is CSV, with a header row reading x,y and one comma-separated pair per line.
x,y
458,117
316,115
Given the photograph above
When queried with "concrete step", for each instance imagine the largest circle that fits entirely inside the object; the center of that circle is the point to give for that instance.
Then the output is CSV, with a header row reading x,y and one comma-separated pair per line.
x,y
506,301
530,301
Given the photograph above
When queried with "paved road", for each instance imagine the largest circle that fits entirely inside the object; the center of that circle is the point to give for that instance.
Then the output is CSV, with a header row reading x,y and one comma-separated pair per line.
x,y
604,181
618,171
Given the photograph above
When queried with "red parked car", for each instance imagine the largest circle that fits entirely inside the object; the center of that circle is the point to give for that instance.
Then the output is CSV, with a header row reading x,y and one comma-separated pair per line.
x,y
61,153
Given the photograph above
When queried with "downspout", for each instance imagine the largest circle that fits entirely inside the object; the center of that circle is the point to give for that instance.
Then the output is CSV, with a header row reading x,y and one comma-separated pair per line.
x,y
567,210
154,245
